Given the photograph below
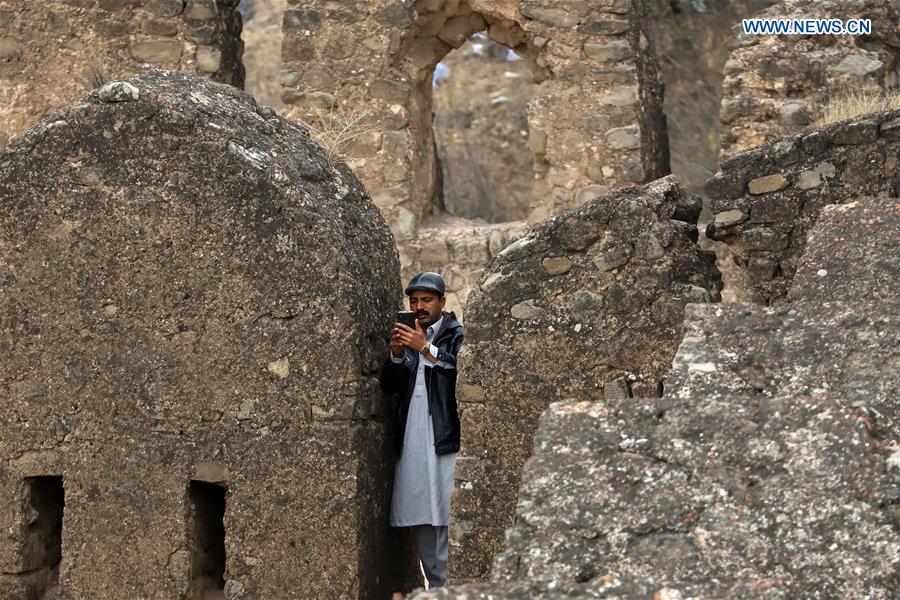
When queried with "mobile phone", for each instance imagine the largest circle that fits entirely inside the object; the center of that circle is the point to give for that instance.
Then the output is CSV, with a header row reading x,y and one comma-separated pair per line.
x,y
407,317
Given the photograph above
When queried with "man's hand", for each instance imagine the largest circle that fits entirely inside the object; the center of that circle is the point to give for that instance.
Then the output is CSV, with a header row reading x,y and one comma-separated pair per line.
x,y
395,343
411,338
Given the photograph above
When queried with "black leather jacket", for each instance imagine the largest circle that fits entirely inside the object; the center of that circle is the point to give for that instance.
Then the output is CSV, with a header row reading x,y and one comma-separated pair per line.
x,y
400,378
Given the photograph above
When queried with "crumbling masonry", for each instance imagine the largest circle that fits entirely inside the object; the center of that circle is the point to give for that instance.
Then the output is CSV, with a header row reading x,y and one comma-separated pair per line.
x,y
766,200
769,469
588,304
776,85
52,51
595,123
193,306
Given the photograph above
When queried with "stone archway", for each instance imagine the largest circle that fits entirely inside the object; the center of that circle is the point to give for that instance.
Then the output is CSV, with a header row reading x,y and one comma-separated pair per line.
x,y
779,85
438,29
595,124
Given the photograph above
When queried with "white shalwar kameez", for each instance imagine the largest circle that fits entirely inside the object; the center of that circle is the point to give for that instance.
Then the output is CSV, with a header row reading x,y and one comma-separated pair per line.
x,y
423,481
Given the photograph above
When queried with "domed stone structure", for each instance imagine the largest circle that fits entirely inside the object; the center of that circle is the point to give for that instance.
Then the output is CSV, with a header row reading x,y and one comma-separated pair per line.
x,y
193,310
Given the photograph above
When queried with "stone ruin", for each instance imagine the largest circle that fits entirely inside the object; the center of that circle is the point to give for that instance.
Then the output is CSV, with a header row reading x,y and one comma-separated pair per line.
x,y
592,301
193,307
596,120
778,426
775,438
772,440
47,46
459,250
767,199
769,469
692,42
595,123
776,85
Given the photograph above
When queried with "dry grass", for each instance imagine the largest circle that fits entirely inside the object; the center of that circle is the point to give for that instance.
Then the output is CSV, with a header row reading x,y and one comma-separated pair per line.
x,y
336,129
93,76
854,103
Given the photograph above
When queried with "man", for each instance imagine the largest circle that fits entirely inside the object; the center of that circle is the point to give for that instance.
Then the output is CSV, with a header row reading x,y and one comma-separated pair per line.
x,y
422,371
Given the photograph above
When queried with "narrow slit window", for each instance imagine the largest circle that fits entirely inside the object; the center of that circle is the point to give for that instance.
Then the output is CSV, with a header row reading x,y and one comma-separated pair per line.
x,y
46,499
207,528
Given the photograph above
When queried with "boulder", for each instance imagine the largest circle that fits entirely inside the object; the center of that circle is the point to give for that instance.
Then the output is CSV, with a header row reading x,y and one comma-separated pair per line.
x,y
605,327
719,496
170,256
852,254
810,349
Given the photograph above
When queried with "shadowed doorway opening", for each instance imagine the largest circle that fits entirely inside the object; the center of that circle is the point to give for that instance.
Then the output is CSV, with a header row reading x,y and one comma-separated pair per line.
x,y
207,529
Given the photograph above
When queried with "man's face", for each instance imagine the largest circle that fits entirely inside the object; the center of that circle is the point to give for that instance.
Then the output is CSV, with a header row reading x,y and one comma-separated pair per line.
x,y
427,307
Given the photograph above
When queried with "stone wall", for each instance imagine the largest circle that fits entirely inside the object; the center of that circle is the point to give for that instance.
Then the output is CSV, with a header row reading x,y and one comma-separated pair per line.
x,y
692,41
587,304
767,199
46,47
777,85
596,121
769,469
188,292
459,250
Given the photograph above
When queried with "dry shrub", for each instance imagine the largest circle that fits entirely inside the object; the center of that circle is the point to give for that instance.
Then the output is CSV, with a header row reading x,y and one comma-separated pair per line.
x,y
334,130
93,76
853,103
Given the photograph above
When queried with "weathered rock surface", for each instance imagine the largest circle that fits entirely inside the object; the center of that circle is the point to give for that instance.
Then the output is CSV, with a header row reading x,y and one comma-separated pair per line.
x,y
852,255
814,349
170,260
50,51
611,587
730,495
767,199
840,335
770,468
592,300
776,85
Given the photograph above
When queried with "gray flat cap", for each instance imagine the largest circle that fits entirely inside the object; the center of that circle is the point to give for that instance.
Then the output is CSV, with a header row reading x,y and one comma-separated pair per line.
x,y
426,282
